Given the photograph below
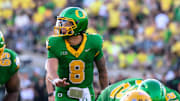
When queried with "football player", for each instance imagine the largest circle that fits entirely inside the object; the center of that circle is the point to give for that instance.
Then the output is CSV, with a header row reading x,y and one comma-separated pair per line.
x,y
151,87
71,53
9,65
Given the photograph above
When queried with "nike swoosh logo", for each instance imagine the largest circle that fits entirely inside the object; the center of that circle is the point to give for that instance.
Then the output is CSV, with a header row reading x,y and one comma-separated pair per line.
x,y
87,50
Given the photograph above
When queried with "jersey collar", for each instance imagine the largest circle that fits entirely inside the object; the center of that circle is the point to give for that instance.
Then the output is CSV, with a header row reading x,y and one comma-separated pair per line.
x,y
80,49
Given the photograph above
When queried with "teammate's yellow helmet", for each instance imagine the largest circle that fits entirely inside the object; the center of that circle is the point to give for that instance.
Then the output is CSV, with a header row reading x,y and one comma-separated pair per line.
x,y
136,95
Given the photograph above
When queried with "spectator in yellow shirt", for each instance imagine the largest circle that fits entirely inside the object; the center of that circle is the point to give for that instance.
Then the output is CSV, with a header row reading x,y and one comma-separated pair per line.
x,y
113,20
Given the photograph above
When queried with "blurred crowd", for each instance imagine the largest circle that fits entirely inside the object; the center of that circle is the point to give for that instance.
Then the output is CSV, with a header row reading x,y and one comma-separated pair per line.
x,y
138,34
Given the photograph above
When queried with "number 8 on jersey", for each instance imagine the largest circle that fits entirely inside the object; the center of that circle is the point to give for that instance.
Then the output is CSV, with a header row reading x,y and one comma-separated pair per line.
x,y
76,75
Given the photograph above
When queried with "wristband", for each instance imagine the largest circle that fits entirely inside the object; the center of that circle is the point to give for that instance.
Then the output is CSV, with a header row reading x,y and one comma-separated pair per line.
x,y
50,94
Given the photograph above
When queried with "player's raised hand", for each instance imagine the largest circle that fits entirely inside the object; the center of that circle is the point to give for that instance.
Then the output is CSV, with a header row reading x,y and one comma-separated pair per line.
x,y
60,82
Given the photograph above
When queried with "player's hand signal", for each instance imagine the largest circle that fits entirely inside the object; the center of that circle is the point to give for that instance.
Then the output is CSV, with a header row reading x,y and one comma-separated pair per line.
x,y
60,82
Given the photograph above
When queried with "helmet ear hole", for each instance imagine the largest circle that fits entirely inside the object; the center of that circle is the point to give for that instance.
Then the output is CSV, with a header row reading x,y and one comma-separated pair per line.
x,y
143,86
77,22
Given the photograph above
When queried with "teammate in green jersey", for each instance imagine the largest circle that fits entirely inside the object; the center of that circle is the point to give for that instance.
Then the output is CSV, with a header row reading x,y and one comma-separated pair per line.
x,y
9,65
71,53
156,90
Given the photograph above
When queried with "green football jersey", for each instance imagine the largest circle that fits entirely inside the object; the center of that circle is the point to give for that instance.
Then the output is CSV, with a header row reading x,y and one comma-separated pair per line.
x,y
172,95
76,65
116,91
9,65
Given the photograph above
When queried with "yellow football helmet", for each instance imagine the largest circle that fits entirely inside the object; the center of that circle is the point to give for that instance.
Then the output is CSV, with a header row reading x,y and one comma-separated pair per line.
x,y
136,95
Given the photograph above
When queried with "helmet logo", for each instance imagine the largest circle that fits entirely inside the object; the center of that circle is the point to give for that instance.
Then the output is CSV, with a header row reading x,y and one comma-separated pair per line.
x,y
80,14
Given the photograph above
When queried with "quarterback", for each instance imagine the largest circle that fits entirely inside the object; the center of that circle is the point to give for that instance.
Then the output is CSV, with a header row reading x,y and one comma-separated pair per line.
x,y
71,53
9,65
139,90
